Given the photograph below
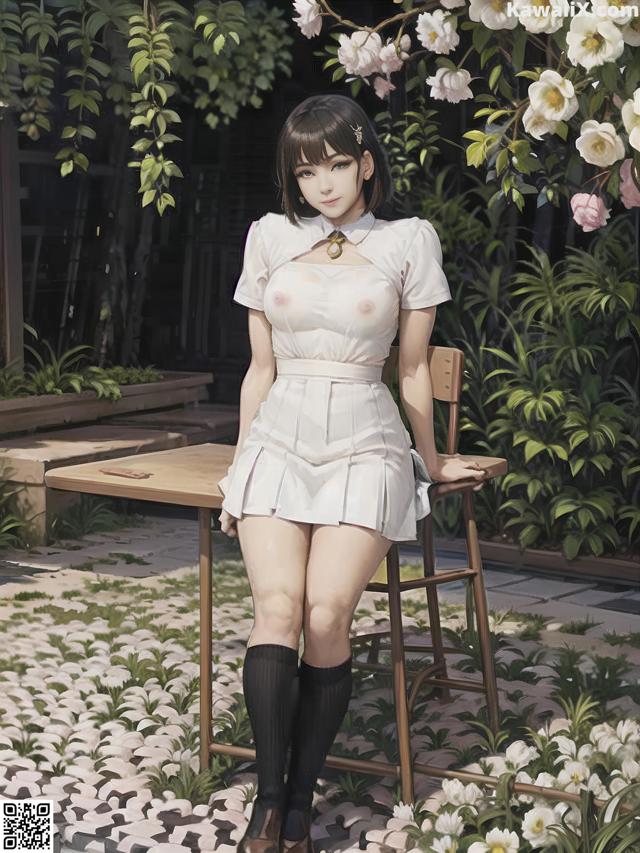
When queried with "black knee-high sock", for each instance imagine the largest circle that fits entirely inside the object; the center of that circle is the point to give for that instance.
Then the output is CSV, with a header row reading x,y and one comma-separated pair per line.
x,y
268,677
324,694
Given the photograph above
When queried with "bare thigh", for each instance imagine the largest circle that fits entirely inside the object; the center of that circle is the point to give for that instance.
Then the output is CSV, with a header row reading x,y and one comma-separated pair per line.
x,y
275,552
342,560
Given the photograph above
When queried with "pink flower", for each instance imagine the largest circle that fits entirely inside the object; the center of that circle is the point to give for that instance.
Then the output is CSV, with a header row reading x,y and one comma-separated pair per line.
x,y
389,59
589,211
382,87
629,192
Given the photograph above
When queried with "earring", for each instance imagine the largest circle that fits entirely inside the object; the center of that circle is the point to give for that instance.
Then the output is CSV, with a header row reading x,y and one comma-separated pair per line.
x,y
301,199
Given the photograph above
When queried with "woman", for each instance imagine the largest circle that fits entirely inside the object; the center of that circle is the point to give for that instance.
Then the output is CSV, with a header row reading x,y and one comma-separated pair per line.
x,y
322,480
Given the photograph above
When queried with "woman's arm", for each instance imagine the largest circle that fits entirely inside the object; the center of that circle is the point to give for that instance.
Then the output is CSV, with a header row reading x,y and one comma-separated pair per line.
x,y
260,374
416,394
414,380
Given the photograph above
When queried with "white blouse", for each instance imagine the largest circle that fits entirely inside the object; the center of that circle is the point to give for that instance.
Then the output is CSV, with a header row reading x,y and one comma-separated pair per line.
x,y
406,252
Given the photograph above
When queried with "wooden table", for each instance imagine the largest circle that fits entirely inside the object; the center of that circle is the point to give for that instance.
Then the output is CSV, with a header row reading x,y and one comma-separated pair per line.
x,y
186,476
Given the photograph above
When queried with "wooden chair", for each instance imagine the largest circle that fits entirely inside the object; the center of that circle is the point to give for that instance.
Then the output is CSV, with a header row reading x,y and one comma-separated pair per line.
x,y
445,367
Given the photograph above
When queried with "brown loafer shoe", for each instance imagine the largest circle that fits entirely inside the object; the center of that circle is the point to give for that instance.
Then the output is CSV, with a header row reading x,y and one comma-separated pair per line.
x,y
304,845
263,831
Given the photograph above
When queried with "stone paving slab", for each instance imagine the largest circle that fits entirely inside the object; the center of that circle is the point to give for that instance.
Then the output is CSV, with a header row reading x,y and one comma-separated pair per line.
x,y
546,588
593,597
560,611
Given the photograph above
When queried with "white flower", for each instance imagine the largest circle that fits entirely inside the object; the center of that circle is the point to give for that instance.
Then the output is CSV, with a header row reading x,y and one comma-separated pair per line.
x,y
595,784
447,844
568,749
518,754
389,59
437,31
535,826
599,144
493,14
456,793
631,31
592,40
405,45
571,814
523,776
452,4
497,841
537,125
620,11
360,52
449,823
630,770
308,19
573,776
544,780
617,784
552,96
628,731
602,734
452,86
539,16
403,811
560,724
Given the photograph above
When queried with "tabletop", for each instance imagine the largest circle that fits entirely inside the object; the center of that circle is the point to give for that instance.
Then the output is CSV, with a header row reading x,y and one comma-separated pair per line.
x,y
181,475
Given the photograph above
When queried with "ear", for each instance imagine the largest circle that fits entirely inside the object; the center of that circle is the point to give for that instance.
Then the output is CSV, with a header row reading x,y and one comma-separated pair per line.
x,y
368,165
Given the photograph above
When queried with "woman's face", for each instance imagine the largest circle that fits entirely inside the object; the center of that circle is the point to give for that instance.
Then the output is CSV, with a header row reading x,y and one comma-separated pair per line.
x,y
334,180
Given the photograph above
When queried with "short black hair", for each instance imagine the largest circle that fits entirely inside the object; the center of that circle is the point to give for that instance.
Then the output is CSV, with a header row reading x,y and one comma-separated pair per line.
x,y
308,127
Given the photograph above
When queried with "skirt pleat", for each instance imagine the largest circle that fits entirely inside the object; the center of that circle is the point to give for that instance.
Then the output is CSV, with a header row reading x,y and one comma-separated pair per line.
x,y
323,450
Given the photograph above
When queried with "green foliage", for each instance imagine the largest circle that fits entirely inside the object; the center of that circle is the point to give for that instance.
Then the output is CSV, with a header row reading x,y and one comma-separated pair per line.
x,y
551,356
60,375
89,514
142,61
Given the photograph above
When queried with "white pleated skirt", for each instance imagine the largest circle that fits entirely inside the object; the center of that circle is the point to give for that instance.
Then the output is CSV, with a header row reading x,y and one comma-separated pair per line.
x,y
328,449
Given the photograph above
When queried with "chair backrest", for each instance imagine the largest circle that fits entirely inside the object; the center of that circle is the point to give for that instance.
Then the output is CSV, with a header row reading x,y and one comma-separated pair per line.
x,y
446,365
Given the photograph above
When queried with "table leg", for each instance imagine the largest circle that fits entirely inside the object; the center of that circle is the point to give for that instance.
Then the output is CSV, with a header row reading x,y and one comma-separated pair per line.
x,y
206,632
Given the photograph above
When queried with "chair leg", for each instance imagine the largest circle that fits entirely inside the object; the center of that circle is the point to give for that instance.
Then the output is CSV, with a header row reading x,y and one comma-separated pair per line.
x,y
433,606
482,613
399,675
373,655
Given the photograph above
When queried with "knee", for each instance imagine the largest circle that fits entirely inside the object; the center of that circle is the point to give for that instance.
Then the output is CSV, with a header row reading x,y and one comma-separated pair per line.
x,y
324,621
278,615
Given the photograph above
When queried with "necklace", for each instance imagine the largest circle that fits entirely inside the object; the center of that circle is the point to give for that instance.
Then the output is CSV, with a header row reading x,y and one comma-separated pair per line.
x,y
337,238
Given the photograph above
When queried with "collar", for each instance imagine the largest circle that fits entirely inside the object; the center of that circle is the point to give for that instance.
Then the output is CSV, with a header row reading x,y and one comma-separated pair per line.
x,y
353,231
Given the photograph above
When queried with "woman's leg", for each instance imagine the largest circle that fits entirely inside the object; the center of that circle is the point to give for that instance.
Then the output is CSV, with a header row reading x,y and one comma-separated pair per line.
x,y
275,554
342,561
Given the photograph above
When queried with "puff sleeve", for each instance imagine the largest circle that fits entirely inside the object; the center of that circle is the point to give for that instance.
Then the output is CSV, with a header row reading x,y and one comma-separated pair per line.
x,y
249,290
423,280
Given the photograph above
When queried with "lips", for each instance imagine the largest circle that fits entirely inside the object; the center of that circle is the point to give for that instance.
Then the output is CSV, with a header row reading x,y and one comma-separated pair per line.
x,y
331,201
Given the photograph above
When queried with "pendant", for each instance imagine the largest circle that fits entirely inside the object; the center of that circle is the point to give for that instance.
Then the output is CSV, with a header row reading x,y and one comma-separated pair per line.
x,y
336,239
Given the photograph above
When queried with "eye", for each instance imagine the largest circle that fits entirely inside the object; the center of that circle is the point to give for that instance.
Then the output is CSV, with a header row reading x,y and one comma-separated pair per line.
x,y
304,172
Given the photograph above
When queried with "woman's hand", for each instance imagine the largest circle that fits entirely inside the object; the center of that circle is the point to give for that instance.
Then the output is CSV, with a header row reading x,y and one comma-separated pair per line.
x,y
228,524
453,466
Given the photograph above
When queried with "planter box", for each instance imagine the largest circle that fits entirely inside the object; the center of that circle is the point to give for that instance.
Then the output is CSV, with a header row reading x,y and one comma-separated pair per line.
x,y
40,411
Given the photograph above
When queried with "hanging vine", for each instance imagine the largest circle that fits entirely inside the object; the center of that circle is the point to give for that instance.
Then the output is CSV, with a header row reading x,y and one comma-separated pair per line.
x,y
80,26
151,65
141,61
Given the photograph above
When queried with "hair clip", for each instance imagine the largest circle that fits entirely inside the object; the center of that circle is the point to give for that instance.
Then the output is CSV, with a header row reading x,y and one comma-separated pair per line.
x,y
358,132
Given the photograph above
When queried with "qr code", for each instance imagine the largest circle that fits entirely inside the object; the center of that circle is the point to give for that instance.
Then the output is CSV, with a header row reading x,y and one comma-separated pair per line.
x,y
26,826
